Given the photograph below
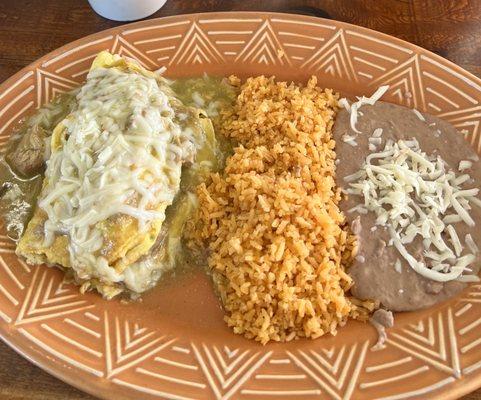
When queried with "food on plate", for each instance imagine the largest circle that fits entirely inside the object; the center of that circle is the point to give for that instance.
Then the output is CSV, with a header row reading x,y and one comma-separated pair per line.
x,y
380,320
277,241
30,148
305,209
115,166
411,183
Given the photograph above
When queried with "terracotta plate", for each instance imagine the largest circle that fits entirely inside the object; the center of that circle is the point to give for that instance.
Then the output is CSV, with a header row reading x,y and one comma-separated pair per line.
x,y
174,345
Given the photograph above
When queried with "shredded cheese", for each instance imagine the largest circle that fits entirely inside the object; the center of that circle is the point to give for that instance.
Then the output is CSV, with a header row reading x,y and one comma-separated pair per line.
x,y
377,133
419,115
353,109
121,154
471,244
464,164
397,266
417,198
350,140
345,104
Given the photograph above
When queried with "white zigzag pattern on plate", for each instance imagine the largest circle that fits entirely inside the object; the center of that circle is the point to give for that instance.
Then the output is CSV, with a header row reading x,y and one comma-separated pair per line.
x,y
333,58
405,83
432,342
7,270
335,371
18,96
196,48
77,61
471,330
123,47
63,340
162,378
473,296
264,48
118,45
49,85
227,370
387,365
47,298
163,361
84,326
75,50
467,119
59,354
468,331
395,379
126,344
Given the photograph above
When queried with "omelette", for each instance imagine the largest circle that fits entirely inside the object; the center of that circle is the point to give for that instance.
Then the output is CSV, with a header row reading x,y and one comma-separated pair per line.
x,y
114,168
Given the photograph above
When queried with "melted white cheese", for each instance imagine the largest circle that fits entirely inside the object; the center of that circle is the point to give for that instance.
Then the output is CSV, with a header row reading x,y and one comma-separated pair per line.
x,y
121,154
414,195
353,109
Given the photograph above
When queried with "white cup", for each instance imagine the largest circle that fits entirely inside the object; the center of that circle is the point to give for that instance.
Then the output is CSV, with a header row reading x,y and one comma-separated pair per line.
x,y
126,10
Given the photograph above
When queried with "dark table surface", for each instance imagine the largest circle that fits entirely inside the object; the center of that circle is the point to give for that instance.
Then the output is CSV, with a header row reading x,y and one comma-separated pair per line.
x,y
32,28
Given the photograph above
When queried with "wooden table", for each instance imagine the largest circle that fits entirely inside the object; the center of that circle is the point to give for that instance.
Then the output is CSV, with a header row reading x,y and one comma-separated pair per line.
x,y
32,28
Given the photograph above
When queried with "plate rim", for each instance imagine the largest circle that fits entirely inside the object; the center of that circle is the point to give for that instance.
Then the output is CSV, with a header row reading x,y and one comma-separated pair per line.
x,y
31,353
